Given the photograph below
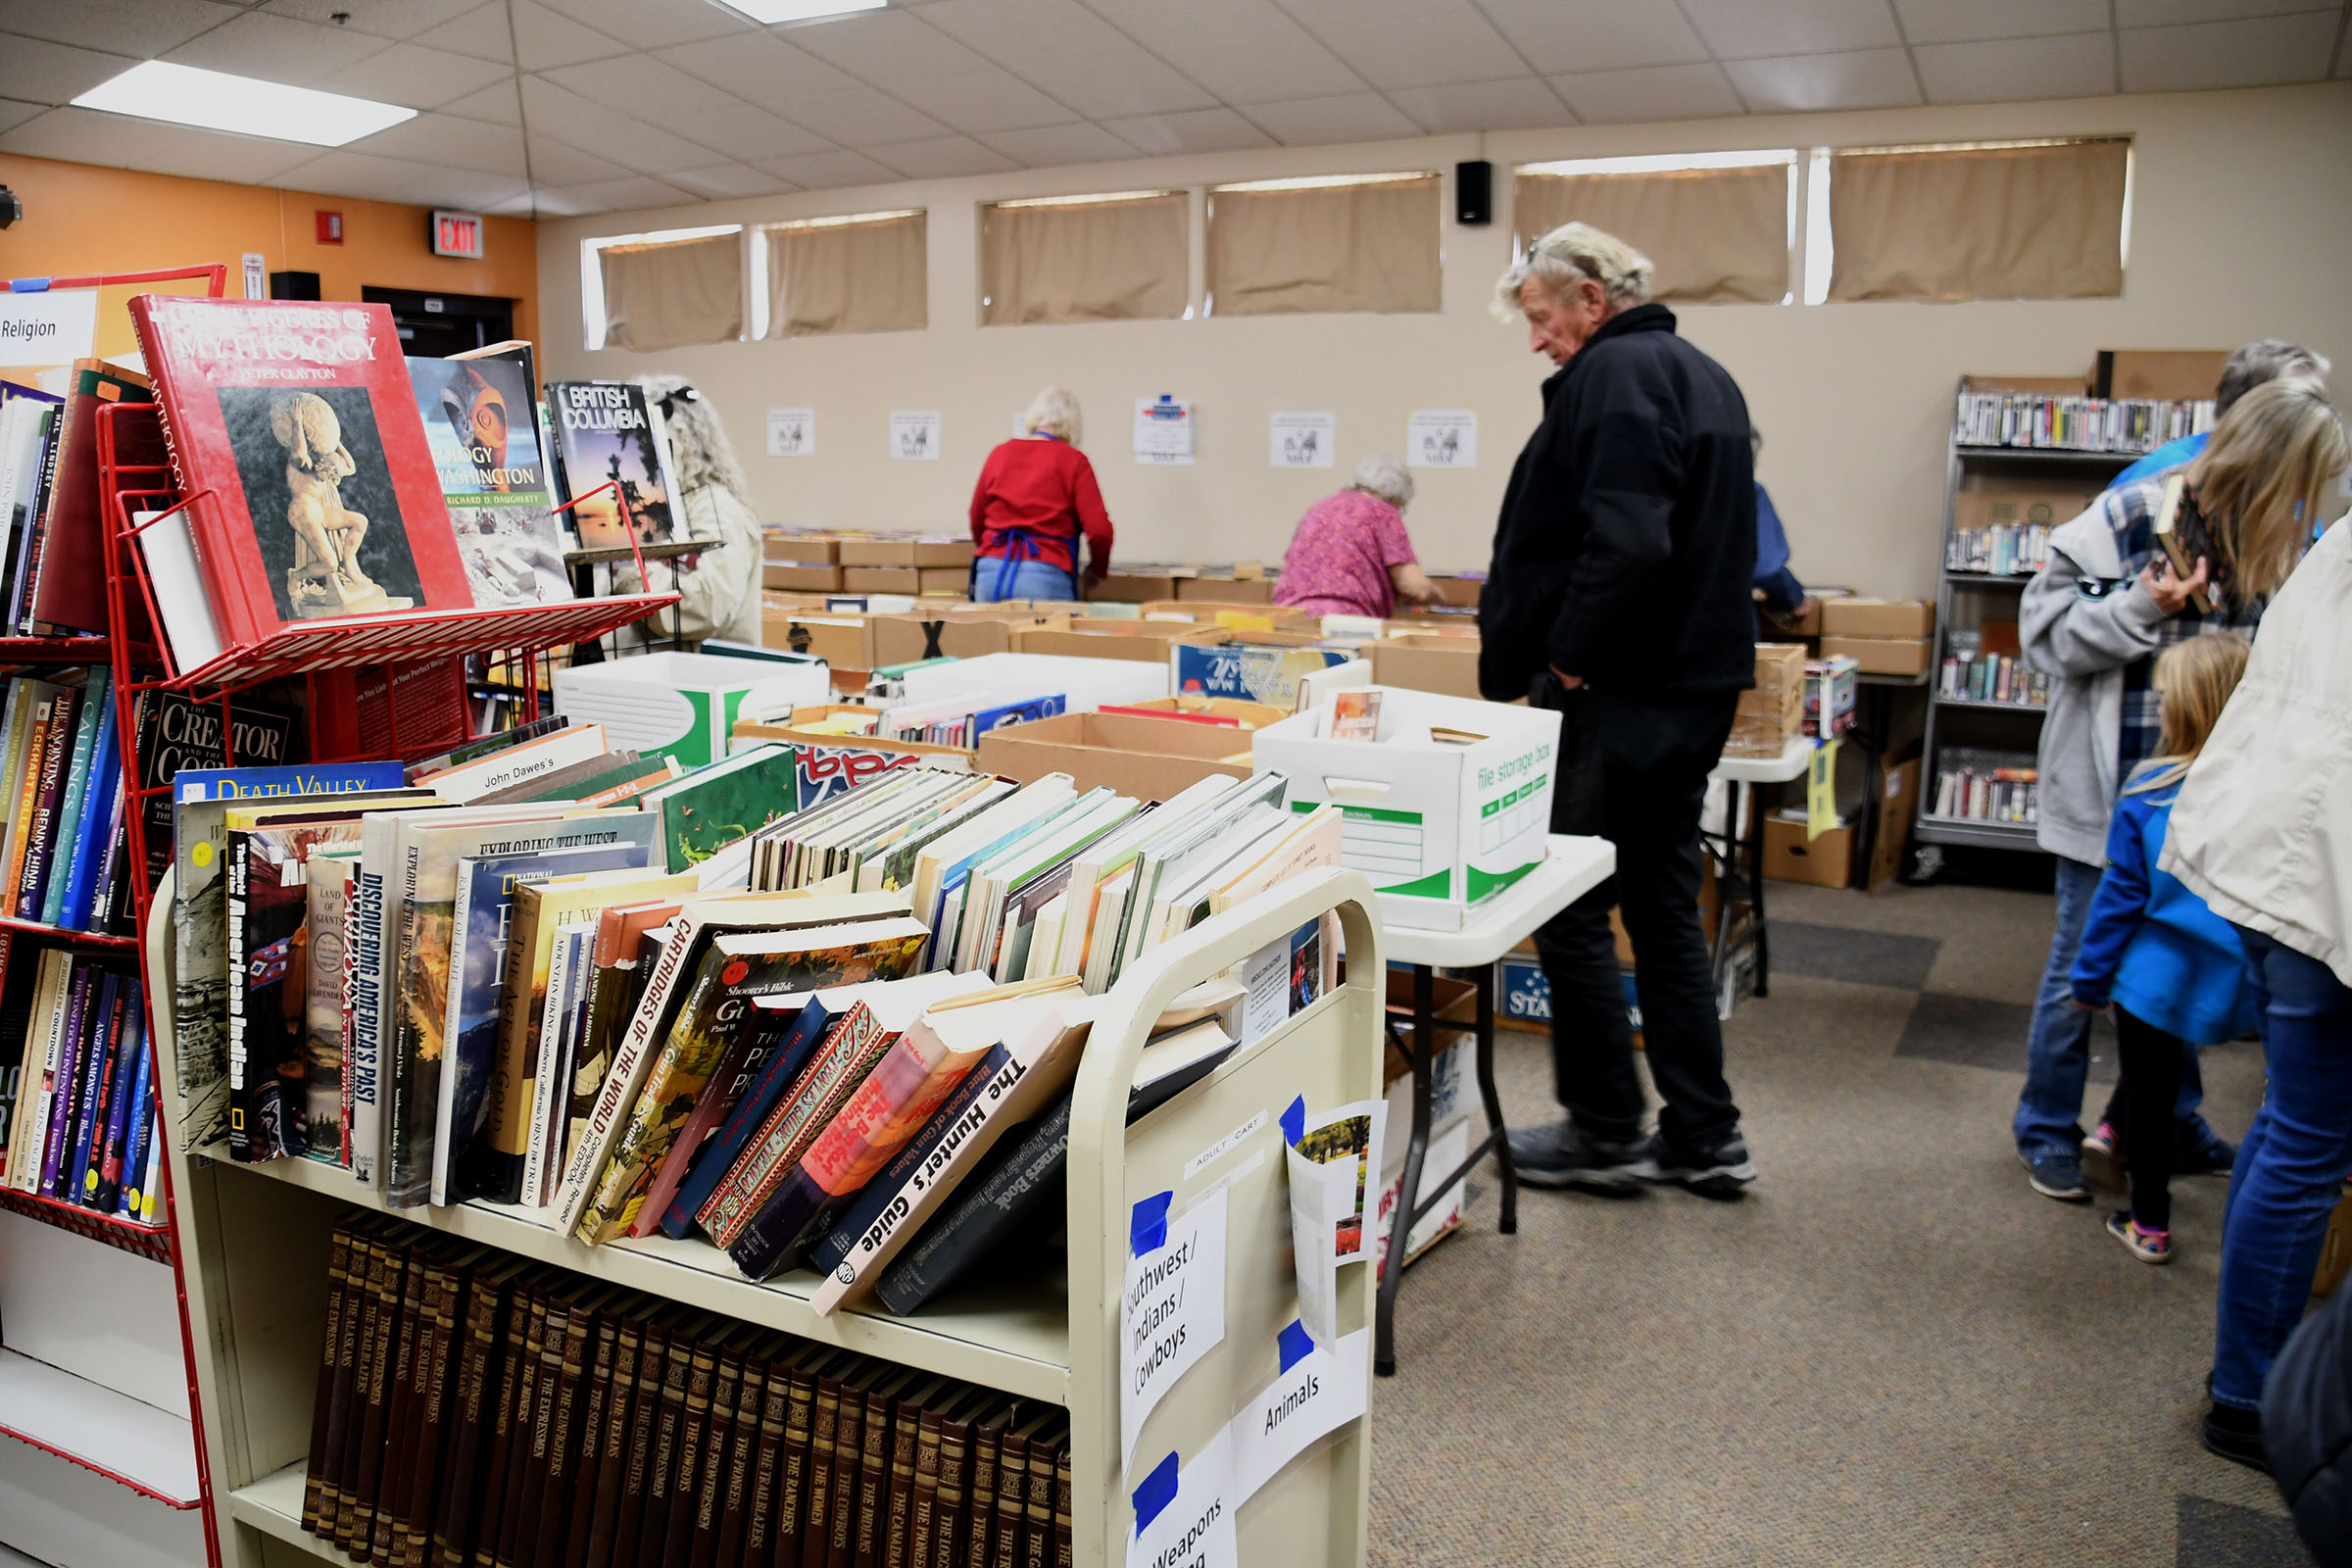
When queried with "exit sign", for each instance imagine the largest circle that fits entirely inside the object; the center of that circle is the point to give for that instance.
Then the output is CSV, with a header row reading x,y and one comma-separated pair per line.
x,y
457,234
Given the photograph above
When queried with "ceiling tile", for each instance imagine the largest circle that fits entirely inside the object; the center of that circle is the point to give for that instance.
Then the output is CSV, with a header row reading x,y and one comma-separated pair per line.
x,y
861,116
1197,131
1943,22
2172,13
616,195
986,99
499,104
276,49
343,173
592,125
556,162
1749,29
1244,51
121,141
1050,146
16,113
828,171
543,39
1068,52
522,205
759,68
1866,79
446,139
654,24
1518,104
943,158
2078,65
662,95
34,72
412,74
1411,43
729,180
2228,54
386,18
1345,116
1577,37
1653,93
890,46
127,26
481,33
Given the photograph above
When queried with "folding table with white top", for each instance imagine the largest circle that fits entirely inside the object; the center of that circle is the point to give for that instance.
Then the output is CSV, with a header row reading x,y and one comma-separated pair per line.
x,y
1744,774
1571,867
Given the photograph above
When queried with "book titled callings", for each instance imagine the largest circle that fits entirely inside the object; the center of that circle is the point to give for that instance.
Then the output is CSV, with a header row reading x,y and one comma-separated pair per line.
x,y
484,439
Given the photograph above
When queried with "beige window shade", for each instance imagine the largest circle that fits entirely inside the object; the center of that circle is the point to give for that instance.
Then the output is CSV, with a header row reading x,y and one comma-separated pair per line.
x,y
871,276
1124,259
670,293
1371,246
1715,235
2036,223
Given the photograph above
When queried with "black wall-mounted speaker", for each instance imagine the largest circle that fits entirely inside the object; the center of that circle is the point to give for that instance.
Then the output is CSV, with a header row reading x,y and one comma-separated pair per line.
x,y
293,285
1474,192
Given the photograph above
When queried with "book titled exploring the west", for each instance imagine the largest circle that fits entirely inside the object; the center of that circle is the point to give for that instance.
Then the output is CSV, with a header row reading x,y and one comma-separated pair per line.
x,y
479,426
300,421
609,432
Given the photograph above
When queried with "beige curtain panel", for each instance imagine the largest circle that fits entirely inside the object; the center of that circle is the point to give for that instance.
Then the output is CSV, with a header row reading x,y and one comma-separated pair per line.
x,y
1716,235
1979,224
848,278
670,294
1119,261
1370,247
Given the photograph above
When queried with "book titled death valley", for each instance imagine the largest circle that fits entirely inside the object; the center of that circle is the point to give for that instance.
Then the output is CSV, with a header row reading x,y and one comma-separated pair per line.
x,y
610,432
481,425
299,420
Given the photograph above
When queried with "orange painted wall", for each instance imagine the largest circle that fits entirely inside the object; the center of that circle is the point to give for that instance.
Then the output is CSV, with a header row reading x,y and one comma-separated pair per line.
x,y
80,219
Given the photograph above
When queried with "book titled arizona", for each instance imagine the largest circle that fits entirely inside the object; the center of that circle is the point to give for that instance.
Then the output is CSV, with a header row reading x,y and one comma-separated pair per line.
x,y
610,433
479,425
299,418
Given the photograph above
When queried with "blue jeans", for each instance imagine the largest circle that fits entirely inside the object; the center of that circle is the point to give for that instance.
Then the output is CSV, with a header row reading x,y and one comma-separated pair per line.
x,y
2049,1108
2292,1169
1028,579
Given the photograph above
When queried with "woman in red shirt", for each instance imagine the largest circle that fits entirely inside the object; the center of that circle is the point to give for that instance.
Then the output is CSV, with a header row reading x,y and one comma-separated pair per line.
x,y
1036,495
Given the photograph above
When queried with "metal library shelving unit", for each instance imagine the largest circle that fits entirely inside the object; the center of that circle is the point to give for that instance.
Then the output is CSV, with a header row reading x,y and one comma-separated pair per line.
x,y
256,1242
1965,600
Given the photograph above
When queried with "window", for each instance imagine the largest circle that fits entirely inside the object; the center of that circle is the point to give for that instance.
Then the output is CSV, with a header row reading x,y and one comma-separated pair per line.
x,y
663,291
868,273
1718,226
1357,242
1118,258
1993,220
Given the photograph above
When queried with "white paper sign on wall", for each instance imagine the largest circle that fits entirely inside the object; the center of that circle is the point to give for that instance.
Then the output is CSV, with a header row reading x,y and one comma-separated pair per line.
x,y
792,432
1319,1389
1172,1310
915,435
1302,440
48,327
1163,432
1441,438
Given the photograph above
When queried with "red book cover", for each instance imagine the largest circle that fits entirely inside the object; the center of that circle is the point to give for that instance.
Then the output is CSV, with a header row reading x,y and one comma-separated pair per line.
x,y
298,417
69,580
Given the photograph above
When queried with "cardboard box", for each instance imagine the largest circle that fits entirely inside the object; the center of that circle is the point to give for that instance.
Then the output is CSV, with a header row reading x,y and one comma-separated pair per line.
x,y
1461,592
2049,386
1247,714
1253,672
1134,587
953,633
1448,1149
884,550
825,766
1878,618
1881,656
1150,758
1447,665
1146,641
2336,1249
1899,803
1087,683
1225,590
683,704
2171,374
808,549
840,640
1439,828
904,579
1827,861
1983,508
1233,616
793,577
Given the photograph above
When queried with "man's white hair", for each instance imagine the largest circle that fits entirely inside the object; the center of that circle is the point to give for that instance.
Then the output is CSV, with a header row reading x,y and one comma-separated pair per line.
x,y
1054,412
1383,476
1565,258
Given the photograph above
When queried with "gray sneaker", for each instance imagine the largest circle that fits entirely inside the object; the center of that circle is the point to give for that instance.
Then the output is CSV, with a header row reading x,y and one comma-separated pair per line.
x,y
1559,1156
2056,1175
1723,1172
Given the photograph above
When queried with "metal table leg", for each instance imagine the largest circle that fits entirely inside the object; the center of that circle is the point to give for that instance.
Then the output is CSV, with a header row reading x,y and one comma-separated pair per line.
x,y
1755,894
1496,1132
1416,1145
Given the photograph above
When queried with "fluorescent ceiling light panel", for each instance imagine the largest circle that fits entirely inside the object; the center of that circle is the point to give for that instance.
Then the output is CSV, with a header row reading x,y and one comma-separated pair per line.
x,y
771,12
215,100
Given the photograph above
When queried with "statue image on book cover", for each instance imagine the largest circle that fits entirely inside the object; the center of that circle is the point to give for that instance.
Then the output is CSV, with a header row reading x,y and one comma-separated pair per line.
x,y
315,459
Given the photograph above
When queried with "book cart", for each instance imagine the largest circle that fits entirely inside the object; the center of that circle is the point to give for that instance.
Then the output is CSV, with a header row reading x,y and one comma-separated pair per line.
x,y
256,1240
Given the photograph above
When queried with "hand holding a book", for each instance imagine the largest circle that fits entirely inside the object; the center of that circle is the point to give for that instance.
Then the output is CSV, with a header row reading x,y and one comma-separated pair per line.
x,y
2171,592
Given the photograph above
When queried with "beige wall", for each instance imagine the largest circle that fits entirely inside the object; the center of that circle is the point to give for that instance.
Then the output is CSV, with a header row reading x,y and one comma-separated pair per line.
x,y
2241,228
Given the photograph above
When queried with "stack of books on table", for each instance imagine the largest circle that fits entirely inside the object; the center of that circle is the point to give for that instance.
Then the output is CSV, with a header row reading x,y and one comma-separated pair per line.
x,y
78,1111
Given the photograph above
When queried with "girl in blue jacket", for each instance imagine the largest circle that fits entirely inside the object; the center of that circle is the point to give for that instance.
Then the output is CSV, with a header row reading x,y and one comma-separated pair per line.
x,y
2169,967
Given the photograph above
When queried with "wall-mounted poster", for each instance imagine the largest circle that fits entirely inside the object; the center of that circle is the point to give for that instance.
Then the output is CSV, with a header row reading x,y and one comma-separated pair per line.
x,y
1441,438
1302,440
915,435
792,432
1163,432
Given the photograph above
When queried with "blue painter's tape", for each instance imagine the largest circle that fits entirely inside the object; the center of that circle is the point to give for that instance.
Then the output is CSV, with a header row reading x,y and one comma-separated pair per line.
x,y
1156,1493
28,285
1295,1344
1293,1121
1148,1227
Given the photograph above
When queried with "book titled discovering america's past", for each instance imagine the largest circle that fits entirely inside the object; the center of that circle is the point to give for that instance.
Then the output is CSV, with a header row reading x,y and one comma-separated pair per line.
x,y
482,426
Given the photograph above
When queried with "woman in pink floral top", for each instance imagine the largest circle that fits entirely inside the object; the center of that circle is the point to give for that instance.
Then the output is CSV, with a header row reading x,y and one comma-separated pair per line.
x,y
1351,556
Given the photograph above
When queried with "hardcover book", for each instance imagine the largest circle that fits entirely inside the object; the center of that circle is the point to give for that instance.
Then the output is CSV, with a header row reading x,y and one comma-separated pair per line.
x,y
479,425
610,432
67,585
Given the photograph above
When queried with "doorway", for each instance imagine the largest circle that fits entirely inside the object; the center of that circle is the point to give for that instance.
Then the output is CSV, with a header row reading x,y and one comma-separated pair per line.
x,y
437,325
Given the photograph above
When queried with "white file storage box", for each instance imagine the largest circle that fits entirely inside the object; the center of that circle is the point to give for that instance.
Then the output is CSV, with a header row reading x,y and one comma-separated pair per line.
x,y
684,705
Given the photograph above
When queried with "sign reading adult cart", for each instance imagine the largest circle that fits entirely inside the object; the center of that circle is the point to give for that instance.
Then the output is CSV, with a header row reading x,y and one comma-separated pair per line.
x,y
1163,432
915,435
48,328
1172,1310
1302,440
1441,438
792,432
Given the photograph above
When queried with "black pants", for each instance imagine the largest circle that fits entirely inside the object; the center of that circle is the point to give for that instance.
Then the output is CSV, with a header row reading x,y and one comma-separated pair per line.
x,y
1634,770
2151,1061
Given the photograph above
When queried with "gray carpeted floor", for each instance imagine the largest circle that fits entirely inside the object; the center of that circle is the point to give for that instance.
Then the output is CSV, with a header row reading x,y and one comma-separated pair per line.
x,y
1894,1353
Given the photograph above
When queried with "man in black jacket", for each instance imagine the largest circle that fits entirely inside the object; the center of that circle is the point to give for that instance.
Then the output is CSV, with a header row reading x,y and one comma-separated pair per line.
x,y
1619,595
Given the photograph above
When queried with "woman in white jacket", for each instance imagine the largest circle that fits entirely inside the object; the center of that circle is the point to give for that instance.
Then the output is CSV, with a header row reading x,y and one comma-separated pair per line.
x,y
2263,834
718,590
